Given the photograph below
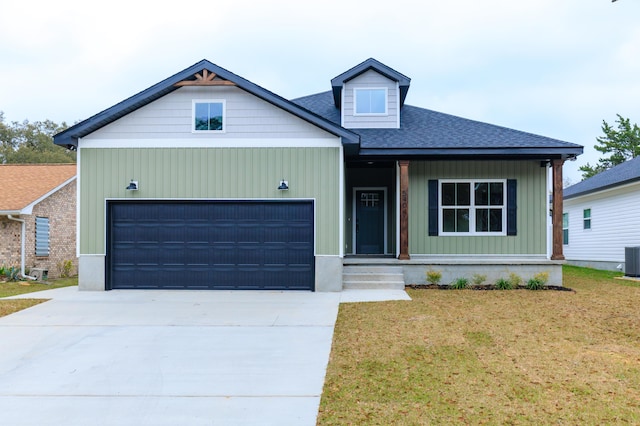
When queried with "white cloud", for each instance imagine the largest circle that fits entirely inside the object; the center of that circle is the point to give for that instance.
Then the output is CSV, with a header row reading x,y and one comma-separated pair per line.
x,y
547,67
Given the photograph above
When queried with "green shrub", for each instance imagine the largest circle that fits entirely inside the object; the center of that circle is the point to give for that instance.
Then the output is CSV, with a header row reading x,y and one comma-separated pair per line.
x,y
12,273
543,277
64,268
434,277
478,279
515,279
460,283
535,284
504,284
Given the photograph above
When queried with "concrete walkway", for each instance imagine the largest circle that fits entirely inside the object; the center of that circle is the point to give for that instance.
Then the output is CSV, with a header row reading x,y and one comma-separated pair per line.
x,y
169,357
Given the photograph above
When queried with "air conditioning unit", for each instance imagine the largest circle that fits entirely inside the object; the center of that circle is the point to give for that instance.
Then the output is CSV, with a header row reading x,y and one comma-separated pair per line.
x,y
632,261
40,274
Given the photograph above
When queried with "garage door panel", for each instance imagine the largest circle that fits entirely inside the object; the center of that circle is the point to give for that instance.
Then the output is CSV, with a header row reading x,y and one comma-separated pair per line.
x,y
211,245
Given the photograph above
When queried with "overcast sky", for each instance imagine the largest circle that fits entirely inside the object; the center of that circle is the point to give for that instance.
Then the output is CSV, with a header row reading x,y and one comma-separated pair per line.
x,y
551,67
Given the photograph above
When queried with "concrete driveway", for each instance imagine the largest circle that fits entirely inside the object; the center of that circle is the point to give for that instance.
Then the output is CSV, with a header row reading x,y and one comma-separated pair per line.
x,y
169,357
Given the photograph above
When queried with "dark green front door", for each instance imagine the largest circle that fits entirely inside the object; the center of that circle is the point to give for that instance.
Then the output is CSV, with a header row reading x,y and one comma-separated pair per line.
x,y
370,222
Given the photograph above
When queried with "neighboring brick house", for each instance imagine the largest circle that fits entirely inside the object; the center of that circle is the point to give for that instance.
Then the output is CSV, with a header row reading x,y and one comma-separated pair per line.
x,y
38,200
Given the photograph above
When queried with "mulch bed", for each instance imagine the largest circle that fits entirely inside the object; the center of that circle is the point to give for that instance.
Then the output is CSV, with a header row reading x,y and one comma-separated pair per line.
x,y
482,287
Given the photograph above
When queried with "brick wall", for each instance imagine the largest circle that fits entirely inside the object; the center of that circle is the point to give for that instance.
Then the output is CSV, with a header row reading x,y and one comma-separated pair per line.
x,y
60,208
9,242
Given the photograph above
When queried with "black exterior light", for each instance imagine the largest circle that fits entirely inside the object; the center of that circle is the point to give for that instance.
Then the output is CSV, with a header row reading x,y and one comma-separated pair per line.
x,y
284,185
133,185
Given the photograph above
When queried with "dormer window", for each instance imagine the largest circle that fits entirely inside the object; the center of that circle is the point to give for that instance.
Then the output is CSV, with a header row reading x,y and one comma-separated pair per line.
x,y
370,101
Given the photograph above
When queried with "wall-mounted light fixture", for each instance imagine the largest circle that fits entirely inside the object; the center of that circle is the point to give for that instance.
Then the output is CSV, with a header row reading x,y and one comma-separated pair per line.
x,y
133,185
284,185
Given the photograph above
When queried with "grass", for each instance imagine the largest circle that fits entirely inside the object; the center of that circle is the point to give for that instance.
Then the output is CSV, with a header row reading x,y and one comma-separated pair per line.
x,y
22,287
490,357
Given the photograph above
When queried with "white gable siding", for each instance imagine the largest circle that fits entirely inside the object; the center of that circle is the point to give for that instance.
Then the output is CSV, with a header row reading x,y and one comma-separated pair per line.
x,y
370,79
615,224
170,117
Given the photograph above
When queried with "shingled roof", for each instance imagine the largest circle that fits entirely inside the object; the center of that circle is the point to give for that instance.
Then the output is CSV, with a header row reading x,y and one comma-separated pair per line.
x,y
622,174
24,185
423,133
429,133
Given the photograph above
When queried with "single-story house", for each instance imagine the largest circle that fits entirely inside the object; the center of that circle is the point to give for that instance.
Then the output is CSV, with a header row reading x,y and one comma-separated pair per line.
x,y
601,217
209,181
38,217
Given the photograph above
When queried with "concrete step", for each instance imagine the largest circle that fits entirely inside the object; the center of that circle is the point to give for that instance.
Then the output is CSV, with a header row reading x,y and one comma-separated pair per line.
x,y
372,277
373,269
373,285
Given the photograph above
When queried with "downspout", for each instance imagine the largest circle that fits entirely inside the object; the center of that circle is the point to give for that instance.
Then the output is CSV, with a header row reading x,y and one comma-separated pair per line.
x,y
23,232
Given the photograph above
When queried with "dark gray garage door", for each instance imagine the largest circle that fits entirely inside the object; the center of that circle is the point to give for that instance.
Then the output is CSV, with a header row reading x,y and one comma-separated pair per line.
x,y
239,245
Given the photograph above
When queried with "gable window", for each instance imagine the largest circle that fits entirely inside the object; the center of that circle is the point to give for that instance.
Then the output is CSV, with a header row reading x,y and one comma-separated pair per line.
x,y
565,228
473,207
370,101
208,115
586,218
42,236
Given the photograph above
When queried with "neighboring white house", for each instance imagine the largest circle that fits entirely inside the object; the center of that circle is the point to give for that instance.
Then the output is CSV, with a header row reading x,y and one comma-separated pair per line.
x,y
601,217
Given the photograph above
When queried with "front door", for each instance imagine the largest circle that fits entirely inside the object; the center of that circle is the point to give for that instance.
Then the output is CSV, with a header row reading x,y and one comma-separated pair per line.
x,y
370,221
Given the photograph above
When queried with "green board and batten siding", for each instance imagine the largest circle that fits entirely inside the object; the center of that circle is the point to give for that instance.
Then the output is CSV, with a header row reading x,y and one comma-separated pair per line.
x,y
531,213
210,173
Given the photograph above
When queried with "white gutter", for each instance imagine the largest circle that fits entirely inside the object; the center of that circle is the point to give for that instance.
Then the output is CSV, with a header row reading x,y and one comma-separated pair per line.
x,y
22,244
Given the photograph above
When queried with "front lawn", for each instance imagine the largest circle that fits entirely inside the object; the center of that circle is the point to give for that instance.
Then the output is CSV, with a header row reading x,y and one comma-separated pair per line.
x,y
490,357
14,288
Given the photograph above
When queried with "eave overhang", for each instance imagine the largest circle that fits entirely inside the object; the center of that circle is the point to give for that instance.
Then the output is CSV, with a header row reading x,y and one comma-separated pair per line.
x,y
542,154
603,188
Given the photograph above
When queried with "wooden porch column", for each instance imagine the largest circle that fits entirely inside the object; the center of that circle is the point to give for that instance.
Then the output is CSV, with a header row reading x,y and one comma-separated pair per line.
x,y
556,218
404,210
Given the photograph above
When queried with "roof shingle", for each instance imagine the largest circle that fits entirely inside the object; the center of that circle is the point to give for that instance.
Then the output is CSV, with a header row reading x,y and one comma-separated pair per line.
x,y
424,129
624,173
22,184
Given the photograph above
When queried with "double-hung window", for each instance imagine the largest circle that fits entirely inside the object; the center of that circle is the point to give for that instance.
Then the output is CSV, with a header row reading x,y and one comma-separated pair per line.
x,y
370,101
208,116
565,228
473,207
586,219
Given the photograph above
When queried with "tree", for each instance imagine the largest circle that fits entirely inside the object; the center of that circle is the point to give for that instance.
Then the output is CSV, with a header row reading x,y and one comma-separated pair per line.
x,y
623,144
32,142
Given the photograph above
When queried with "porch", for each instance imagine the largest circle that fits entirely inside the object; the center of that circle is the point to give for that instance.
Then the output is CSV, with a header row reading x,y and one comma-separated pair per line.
x,y
388,272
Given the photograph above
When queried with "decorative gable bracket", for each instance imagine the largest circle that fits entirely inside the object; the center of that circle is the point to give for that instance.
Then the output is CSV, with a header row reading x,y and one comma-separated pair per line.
x,y
205,78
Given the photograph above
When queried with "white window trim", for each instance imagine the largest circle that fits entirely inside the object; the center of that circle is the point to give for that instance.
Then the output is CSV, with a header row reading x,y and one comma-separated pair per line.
x,y
208,101
472,209
565,229
585,219
378,114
